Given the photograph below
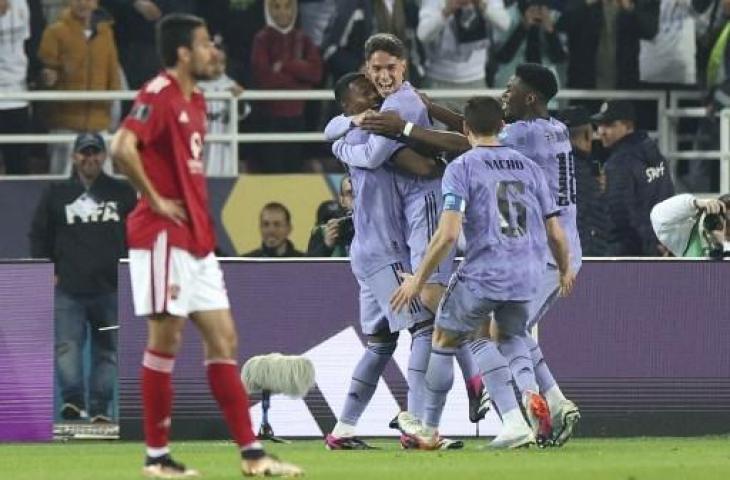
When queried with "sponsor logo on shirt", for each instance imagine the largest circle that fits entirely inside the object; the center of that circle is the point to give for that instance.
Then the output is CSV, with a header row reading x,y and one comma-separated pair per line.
x,y
653,173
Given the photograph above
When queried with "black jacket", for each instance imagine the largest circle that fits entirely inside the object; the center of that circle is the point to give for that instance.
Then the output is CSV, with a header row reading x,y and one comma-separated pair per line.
x,y
637,178
83,232
267,252
583,24
594,223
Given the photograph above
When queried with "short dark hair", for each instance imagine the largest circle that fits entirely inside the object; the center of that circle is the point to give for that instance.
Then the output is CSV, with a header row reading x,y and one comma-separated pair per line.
x,y
343,84
386,42
483,115
277,206
538,78
174,31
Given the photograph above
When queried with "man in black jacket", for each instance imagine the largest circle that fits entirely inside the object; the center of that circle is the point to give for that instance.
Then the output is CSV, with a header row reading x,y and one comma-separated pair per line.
x,y
594,223
637,178
79,225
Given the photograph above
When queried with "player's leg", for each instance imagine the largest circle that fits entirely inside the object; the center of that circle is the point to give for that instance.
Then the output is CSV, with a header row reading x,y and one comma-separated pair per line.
x,y
211,314
103,368
423,213
421,339
381,344
70,336
565,414
152,274
511,319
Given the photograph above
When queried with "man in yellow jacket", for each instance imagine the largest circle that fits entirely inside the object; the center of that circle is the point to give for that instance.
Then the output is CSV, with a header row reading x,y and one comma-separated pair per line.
x,y
78,53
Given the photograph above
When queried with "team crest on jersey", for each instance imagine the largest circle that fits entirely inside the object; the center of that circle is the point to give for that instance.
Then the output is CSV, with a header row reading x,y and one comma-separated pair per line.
x,y
141,112
183,118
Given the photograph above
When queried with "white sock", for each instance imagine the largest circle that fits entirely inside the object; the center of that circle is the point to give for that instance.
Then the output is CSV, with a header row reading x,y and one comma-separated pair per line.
x,y
253,446
157,452
513,418
554,396
343,430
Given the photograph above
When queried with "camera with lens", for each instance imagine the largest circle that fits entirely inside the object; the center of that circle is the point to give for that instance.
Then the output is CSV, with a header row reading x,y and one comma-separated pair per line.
x,y
345,230
712,223
332,210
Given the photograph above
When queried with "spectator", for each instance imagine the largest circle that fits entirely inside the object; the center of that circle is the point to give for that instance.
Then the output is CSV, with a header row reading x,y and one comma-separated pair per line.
x,y
333,233
275,226
669,59
592,213
218,156
702,175
603,41
691,227
284,57
79,225
455,35
354,21
78,53
14,114
134,30
532,38
314,15
637,178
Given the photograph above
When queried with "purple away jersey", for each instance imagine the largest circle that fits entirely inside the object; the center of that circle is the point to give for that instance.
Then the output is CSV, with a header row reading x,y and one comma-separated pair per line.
x,y
505,200
547,143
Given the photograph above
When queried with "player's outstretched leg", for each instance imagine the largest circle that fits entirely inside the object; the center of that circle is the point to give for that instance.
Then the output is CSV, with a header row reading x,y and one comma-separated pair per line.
x,y
477,394
362,387
219,335
498,380
564,413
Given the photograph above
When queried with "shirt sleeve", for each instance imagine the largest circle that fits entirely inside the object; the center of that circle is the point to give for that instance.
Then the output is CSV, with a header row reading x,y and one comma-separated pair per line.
x,y
146,119
370,155
514,136
547,203
337,128
454,187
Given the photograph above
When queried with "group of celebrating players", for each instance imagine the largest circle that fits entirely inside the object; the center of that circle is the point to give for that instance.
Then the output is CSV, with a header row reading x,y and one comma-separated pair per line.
x,y
512,188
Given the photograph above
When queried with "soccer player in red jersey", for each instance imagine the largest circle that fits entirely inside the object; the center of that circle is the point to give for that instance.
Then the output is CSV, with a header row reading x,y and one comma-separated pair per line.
x,y
175,274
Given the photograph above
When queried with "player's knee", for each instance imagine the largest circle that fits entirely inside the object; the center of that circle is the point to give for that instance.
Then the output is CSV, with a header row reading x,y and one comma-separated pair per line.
x,y
383,342
382,348
222,346
447,339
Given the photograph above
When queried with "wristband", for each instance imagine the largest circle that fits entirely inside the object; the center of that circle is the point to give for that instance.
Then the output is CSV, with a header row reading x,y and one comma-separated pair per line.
x,y
407,129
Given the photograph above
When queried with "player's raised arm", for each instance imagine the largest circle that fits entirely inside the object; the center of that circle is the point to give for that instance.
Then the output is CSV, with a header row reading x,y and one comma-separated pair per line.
x,y
371,155
126,157
390,123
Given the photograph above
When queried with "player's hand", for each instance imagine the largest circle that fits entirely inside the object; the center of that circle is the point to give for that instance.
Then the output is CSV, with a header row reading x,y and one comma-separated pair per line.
x,y
406,293
710,205
360,117
170,209
237,90
386,123
547,22
148,10
567,281
331,232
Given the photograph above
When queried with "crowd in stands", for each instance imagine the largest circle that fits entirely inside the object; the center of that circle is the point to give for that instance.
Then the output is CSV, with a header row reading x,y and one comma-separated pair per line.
x,y
309,44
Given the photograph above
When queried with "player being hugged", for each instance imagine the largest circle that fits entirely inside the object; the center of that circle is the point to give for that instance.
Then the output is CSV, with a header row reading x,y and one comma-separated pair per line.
x,y
502,199
174,273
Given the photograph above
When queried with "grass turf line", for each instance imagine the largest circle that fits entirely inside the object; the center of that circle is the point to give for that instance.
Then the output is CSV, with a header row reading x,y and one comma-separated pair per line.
x,y
705,458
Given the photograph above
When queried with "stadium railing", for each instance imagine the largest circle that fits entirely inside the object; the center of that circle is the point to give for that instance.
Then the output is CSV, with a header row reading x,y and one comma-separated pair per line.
x,y
669,113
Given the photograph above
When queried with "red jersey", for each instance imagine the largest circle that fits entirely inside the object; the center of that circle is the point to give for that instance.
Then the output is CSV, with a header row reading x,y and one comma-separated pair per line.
x,y
170,131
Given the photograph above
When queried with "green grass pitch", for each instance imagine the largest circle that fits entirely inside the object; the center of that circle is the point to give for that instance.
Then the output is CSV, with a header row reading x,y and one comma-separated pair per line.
x,y
704,458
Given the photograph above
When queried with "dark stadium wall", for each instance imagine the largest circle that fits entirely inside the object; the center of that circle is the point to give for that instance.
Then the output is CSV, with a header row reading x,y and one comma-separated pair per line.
x,y
641,346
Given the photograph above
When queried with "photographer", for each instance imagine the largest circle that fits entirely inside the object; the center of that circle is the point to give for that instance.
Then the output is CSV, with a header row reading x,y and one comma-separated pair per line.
x,y
332,235
691,227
